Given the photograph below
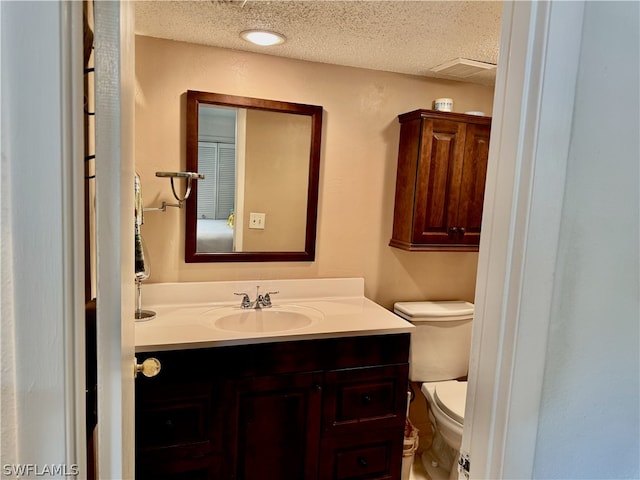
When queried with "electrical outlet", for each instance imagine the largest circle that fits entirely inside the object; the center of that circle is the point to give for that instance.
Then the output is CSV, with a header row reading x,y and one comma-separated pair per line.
x,y
256,220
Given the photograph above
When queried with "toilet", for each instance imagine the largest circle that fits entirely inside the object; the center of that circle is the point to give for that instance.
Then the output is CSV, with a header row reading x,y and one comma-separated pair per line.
x,y
439,355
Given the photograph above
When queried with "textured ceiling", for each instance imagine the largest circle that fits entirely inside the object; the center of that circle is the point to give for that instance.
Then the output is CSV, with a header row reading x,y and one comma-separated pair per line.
x,y
390,35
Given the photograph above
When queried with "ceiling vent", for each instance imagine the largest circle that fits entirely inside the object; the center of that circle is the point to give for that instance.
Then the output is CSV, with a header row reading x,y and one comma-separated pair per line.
x,y
463,68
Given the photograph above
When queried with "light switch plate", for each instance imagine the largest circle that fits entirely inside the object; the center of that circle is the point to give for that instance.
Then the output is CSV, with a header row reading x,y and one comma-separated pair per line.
x,y
256,220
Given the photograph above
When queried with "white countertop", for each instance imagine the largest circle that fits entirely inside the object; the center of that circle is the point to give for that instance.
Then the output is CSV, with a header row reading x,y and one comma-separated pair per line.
x,y
183,313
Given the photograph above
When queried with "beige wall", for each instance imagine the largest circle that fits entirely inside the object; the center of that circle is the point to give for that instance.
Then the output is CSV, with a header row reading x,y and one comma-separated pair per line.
x,y
274,174
357,174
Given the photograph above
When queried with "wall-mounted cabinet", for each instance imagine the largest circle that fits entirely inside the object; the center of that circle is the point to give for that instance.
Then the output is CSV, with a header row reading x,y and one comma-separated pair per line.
x,y
442,166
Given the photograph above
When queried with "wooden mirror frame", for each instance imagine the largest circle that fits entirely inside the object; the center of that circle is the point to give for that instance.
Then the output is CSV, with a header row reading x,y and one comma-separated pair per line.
x,y
194,99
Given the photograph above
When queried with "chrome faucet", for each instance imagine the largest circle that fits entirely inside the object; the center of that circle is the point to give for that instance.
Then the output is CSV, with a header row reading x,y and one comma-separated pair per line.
x,y
261,301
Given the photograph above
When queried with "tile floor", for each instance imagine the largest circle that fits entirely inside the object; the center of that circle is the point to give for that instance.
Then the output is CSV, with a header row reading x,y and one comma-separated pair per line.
x,y
418,472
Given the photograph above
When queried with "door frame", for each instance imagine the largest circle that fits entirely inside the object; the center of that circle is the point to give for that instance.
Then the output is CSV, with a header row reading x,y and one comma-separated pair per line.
x,y
531,131
42,237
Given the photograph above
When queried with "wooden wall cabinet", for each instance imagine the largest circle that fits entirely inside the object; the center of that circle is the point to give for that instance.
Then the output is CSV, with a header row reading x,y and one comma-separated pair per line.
x,y
442,166
308,410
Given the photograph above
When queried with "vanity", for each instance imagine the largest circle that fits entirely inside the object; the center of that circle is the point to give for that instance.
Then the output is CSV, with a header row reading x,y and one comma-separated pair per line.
x,y
313,387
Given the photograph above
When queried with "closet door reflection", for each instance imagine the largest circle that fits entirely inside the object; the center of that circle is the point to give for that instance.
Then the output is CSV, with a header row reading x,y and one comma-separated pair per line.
x,y
217,198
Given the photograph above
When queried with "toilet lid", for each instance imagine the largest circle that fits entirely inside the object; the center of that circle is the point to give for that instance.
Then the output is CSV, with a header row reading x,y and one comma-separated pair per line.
x,y
451,398
434,311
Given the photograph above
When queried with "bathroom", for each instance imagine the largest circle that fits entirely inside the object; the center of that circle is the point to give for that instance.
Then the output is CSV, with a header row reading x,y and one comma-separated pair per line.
x,y
560,444
349,151
359,152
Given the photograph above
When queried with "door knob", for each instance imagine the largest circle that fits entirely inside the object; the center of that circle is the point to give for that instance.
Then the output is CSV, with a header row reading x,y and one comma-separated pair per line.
x,y
453,230
149,368
461,230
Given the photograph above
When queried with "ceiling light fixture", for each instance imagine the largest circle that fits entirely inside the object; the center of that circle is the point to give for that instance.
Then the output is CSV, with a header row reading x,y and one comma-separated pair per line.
x,y
263,38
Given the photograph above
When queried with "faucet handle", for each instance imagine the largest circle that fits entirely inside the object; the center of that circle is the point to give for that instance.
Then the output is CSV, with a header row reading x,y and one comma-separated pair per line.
x,y
246,303
267,298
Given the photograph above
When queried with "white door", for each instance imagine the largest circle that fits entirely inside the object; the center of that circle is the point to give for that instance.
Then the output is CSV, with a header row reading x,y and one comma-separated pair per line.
x,y
114,81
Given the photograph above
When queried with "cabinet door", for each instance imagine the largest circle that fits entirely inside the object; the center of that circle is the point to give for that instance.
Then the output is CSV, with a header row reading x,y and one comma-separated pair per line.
x,y
274,429
472,184
437,181
174,429
203,469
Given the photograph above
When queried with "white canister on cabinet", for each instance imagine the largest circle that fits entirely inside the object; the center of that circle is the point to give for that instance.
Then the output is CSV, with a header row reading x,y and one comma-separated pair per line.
x,y
443,104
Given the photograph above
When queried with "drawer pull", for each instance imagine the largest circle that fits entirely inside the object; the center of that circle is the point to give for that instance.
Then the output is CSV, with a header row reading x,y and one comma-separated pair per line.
x,y
362,462
366,399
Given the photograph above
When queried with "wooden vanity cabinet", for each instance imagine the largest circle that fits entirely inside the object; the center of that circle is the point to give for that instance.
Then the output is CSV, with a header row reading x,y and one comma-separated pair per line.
x,y
442,167
314,409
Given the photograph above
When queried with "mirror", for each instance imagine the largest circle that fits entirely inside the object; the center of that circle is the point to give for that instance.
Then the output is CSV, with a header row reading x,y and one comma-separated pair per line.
x,y
261,161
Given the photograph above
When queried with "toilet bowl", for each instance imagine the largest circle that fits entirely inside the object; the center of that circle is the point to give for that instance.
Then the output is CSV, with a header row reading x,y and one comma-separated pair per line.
x,y
446,402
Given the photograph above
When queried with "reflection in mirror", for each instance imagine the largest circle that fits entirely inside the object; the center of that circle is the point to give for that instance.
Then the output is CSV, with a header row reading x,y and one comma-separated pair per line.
x,y
260,158
217,193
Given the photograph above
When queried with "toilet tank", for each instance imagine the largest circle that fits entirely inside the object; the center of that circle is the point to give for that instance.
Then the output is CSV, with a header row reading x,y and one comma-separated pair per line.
x,y
441,342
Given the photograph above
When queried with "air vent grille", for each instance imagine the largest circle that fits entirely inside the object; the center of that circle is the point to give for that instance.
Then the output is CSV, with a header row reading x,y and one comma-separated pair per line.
x,y
462,68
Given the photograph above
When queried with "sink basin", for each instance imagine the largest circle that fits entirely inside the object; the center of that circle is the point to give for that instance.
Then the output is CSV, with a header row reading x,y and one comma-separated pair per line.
x,y
265,320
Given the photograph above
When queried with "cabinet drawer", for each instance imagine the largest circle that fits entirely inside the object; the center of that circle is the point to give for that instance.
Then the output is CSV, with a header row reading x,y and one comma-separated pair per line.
x,y
167,418
362,461
355,399
372,455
